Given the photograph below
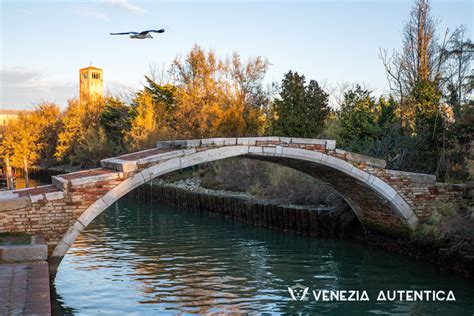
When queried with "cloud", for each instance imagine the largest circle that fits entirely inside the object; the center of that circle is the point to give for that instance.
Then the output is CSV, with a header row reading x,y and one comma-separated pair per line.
x,y
88,12
124,5
18,75
96,10
22,87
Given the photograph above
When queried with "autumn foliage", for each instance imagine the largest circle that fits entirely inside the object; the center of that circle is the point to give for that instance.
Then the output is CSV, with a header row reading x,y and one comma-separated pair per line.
x,y
205,97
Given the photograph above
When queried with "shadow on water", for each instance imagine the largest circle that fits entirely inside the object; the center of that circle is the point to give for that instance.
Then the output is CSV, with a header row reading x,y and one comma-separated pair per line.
x,y
144,258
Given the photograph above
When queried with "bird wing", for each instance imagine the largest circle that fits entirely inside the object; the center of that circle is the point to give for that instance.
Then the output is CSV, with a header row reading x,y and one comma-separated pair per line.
x,y
153,31
124,33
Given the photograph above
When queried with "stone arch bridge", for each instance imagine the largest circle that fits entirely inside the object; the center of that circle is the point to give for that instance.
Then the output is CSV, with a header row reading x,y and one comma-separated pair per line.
x,y
383,200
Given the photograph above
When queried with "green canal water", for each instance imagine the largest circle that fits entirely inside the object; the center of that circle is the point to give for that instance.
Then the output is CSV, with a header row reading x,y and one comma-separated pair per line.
x,y
141,258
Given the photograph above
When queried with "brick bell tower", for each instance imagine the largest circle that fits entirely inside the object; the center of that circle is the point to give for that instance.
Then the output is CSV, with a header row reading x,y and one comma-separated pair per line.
x,y
91,85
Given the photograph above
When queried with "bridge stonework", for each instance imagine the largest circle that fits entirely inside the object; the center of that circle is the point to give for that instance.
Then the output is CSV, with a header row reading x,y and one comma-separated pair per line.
x,y
385,200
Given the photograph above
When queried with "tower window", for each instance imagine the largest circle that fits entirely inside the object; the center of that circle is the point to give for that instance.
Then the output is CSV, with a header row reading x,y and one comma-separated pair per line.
x,y
84,75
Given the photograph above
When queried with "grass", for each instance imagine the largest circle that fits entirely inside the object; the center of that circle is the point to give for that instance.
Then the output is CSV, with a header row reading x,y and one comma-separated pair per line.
x,y
15,238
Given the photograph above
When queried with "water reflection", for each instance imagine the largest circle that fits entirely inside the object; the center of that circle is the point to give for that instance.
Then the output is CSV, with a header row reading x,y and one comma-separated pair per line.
x,y
20,183
144,258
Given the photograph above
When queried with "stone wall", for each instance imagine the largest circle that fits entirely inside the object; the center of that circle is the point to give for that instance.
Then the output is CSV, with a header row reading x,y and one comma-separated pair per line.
x,y
295,219
49,212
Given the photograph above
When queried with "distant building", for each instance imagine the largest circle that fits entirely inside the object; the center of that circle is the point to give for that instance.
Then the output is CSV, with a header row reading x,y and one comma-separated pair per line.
x,y
91,85
9,115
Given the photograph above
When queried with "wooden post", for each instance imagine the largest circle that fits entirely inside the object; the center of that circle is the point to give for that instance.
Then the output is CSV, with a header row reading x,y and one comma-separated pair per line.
x,y
25,166
8,172
7,164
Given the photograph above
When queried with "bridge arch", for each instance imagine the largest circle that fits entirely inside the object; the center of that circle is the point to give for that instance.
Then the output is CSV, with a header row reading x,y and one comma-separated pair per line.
x,y
375,202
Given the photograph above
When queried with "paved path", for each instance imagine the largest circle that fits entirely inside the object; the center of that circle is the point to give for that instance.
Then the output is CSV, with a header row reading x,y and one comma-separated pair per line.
x,y
24,289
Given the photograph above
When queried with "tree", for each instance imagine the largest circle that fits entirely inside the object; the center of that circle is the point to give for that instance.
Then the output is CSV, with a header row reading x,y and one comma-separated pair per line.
x,y
460,52
92,147
116,121
143,124
372,127
219,98
429,128
164,94
358,121
70,132
199,79
32,137
431,79
19,142
421,59
250,95
46,116
152,115
301,110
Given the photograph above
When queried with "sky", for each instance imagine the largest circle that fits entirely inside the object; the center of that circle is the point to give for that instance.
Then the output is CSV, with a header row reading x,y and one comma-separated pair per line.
x,y
43,44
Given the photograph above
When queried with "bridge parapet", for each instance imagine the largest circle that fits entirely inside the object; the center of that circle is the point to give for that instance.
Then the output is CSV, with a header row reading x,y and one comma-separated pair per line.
x,y
320,144
326,146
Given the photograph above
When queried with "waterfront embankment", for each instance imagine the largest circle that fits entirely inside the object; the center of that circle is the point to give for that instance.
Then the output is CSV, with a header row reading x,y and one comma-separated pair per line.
x,y
309,220
25,289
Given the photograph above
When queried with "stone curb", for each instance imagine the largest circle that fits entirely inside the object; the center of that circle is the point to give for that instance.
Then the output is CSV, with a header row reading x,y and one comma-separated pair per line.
x,y
24,253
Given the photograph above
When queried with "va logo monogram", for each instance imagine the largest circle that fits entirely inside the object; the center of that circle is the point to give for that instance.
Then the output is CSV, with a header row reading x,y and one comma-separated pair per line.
x,y
298,292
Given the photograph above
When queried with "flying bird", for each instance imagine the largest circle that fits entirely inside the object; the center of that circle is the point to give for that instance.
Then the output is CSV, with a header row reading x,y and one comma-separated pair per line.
x,y
140,35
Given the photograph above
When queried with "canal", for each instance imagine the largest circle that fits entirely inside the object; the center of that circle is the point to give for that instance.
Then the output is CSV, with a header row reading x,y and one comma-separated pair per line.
x,y
142,258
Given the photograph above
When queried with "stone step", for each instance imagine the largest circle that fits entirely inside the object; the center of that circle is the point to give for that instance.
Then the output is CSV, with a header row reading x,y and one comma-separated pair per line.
x,y
143,159
37,250
64,181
